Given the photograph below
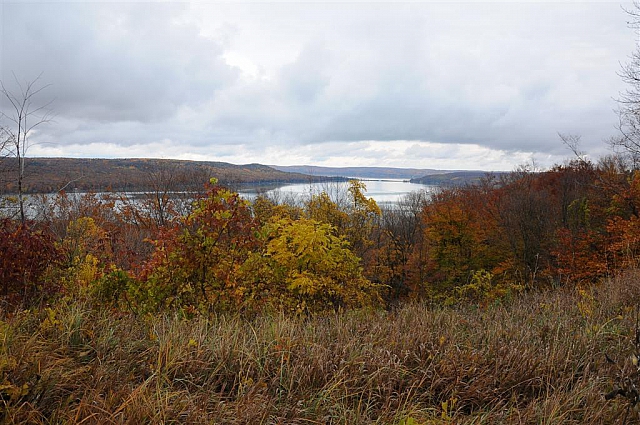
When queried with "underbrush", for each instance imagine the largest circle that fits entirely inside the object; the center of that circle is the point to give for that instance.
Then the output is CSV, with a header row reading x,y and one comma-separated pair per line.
x,y
540,358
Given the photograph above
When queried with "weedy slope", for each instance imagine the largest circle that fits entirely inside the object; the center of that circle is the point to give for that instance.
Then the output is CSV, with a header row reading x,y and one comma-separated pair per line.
x,y
539,358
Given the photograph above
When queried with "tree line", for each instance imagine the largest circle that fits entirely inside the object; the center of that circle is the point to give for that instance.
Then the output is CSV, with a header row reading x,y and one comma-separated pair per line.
x,y
571,225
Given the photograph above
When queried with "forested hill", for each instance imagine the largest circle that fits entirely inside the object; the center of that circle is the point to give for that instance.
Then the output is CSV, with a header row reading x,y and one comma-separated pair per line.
x,y
360,172
43,175
456,178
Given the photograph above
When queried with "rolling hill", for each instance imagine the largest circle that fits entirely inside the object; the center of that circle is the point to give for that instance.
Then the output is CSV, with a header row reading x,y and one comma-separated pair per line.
x,y
454,178
44,175
359,172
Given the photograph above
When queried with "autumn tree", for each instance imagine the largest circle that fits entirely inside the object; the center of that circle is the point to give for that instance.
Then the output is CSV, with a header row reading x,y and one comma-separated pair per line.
x,y
222,257
265,209
353,215
398,256
363,217
27,253
581,250
158,200
460,236
305,267
581,237
322,208
196,263
528,213
167,193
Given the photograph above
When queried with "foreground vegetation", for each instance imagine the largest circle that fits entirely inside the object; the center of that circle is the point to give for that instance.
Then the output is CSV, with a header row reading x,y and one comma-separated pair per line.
x,y
492,303
513,300
539,358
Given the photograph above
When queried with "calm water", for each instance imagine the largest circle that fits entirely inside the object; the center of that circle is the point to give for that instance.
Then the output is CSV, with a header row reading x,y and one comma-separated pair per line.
x,y
383,191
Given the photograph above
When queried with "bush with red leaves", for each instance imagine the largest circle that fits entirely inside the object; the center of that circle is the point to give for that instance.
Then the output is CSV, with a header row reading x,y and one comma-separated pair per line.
x,y
27,253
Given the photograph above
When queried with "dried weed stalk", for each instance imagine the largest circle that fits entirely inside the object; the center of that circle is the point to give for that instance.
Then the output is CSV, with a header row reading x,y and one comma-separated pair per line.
x,y
627,376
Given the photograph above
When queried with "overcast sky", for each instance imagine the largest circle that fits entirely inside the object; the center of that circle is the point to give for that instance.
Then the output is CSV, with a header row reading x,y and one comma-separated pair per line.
x,y
469,85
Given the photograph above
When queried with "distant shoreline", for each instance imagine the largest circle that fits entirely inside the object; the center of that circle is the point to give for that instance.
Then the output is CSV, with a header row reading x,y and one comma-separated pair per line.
x,y
51,175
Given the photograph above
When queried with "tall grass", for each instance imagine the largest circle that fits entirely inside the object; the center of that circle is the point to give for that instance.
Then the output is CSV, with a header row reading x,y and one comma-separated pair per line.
x,y
536,359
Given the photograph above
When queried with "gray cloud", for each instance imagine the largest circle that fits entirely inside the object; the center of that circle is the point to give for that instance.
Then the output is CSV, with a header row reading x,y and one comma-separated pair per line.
x,y
247,81
111,62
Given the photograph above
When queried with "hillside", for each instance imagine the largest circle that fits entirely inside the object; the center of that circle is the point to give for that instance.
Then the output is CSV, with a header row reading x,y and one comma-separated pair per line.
x,y
44,175
360,172
455,178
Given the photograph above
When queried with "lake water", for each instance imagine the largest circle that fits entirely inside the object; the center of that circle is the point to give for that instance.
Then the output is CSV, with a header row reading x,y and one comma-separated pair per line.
x,y
384,192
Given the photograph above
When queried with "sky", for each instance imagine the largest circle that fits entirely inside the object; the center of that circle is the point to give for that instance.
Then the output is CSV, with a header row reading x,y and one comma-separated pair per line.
x,y
455,85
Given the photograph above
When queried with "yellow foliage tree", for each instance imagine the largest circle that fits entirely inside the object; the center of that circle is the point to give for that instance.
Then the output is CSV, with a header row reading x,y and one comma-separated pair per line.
x,y
87,251
306,268
356,220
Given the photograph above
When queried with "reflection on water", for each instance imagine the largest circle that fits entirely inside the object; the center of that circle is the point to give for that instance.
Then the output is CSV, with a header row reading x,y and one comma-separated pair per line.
x,y
385,192
382,191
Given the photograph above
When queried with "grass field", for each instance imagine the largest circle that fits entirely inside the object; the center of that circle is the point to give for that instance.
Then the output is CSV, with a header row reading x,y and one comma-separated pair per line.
x,y
539,358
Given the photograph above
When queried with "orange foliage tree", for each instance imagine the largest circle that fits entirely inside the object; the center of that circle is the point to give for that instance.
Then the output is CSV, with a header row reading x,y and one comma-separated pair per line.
x,y
196,264
461,236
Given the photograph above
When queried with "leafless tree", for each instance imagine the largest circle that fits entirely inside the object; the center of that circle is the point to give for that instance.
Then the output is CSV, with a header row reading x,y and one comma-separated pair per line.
x,y
572,142
4,169
21,116
627,142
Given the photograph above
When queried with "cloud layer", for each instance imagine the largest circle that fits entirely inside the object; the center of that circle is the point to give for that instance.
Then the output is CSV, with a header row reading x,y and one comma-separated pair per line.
x,y
433,85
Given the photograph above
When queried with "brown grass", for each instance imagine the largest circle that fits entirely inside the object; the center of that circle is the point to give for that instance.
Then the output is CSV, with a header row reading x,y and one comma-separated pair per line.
x,y
536,359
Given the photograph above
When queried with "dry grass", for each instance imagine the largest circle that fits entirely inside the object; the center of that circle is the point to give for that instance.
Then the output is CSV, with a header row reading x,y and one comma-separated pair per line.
x,y
537,359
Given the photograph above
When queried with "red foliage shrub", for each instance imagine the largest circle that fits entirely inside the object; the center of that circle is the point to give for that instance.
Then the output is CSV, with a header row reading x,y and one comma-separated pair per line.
x,y
26,254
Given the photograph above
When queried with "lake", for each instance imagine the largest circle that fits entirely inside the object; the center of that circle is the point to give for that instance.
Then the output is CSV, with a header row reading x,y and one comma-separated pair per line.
x,y
384,192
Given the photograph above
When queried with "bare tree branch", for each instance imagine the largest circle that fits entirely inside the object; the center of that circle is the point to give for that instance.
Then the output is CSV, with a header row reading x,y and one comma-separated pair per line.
x,y
572,141
25,118
628,140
